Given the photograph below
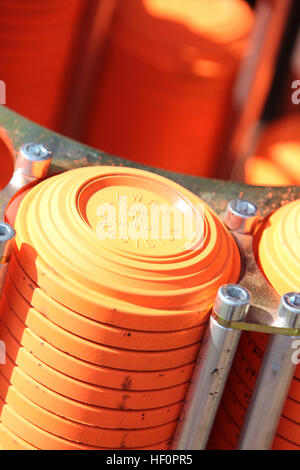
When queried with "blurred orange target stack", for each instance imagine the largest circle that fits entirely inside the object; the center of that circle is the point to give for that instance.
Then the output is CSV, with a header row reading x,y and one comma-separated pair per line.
x,y
164,88
7,158
102,329
36,40
277,158
279,258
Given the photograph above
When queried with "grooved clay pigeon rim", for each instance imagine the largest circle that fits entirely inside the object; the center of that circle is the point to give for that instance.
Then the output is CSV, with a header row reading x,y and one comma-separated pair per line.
x,y
282,444
289,429
219,441
64,241
90,329
250,350
92,352
10,441
88,414
228,425
44,440
90,435
87,393
69,368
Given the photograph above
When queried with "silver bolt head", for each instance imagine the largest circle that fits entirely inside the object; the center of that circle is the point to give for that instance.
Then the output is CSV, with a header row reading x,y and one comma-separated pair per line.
x,y
35,152
241,216
232,302
289,310
33,160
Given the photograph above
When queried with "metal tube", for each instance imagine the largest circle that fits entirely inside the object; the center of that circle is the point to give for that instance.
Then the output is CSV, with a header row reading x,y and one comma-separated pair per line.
x,y
273,382
211,370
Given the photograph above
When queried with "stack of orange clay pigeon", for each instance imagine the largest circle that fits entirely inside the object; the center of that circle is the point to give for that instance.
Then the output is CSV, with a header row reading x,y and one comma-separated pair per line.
x,y
103,323
278,255
36,39
163,95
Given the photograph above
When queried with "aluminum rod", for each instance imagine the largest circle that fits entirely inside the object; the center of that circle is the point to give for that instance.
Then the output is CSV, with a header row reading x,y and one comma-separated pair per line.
x,y
211,370
273,382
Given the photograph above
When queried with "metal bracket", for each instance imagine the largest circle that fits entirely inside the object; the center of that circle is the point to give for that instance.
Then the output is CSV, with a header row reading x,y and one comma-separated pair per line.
x,y
223,334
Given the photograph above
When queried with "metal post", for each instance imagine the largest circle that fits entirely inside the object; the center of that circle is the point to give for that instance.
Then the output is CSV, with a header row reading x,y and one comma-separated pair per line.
x,y
273,382
211,370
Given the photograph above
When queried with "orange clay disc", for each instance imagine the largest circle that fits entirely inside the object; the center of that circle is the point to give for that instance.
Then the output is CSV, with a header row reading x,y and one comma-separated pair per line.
x,y
92,352
9,441
289,429
87,414
46,358
219,441
88,393
256,340
250,350
239,389
282,444
227,425
90,329
233,408
294,391
246,372
71,242
90,435
279,249
34,435
46,441
291,409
